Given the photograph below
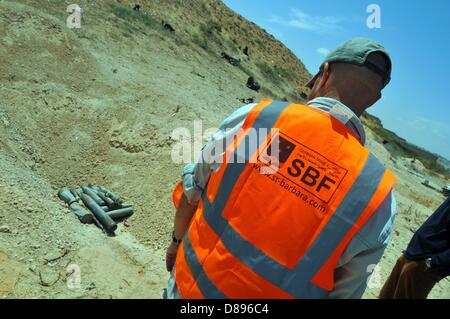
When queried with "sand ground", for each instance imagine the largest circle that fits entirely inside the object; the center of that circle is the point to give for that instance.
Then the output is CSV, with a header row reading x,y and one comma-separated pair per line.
x,y
98,105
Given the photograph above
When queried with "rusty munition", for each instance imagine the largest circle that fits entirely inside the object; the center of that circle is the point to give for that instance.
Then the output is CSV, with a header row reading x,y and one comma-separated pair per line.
x,y
121,213
76,192
66,196
116,198
108,201
106,221
93,194
83,215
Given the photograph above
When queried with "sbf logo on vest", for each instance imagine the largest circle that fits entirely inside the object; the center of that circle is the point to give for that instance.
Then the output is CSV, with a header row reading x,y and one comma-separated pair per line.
x,y
301,166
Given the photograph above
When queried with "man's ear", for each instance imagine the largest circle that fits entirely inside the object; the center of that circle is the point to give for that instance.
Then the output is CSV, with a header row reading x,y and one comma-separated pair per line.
x,y
325,75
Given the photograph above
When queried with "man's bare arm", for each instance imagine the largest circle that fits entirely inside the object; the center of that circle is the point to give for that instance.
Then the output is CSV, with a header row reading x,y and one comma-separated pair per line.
x,y
183,217
196,176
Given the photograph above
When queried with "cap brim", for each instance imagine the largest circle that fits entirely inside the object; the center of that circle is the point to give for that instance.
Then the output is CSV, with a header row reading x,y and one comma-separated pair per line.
x,y
311,82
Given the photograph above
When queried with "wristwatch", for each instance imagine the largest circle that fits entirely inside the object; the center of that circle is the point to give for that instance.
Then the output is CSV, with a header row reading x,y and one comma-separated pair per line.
x,y
428,262
175,239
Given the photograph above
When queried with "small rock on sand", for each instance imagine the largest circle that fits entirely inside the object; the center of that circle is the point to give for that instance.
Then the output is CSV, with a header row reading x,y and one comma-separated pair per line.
x,y
5,229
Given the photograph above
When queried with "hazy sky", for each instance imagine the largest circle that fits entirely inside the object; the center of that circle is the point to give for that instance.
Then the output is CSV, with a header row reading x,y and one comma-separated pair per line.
x,y
416,33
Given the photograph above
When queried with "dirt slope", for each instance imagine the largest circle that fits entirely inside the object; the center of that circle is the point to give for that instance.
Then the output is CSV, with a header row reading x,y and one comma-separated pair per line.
x,y
98,105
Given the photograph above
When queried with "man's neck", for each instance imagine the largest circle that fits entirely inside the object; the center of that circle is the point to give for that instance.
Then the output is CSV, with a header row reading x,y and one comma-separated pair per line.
x,y
341,112
335,95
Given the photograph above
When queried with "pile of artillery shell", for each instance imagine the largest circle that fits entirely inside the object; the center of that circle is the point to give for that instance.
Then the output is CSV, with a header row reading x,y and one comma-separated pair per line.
x,y
98,205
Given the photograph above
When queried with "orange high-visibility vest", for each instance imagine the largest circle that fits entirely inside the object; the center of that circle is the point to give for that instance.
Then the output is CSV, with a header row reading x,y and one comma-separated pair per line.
x,y
280,234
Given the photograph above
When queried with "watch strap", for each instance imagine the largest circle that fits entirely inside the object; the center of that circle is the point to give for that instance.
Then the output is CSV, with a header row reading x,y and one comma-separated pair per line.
x,y
175,239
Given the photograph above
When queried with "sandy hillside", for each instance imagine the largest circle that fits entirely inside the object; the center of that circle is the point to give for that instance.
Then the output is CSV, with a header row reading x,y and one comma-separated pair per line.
x,y
97,105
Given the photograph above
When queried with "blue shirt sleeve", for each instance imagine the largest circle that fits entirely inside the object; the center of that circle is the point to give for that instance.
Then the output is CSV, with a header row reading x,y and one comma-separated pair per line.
x,y
442,260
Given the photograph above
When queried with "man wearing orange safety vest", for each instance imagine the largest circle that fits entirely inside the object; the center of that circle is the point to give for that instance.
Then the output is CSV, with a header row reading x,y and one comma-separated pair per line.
x,y
294,206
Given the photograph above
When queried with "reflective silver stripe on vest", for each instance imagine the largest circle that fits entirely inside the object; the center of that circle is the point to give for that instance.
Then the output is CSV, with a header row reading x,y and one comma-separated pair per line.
x,y
266,119
297,281
206,286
